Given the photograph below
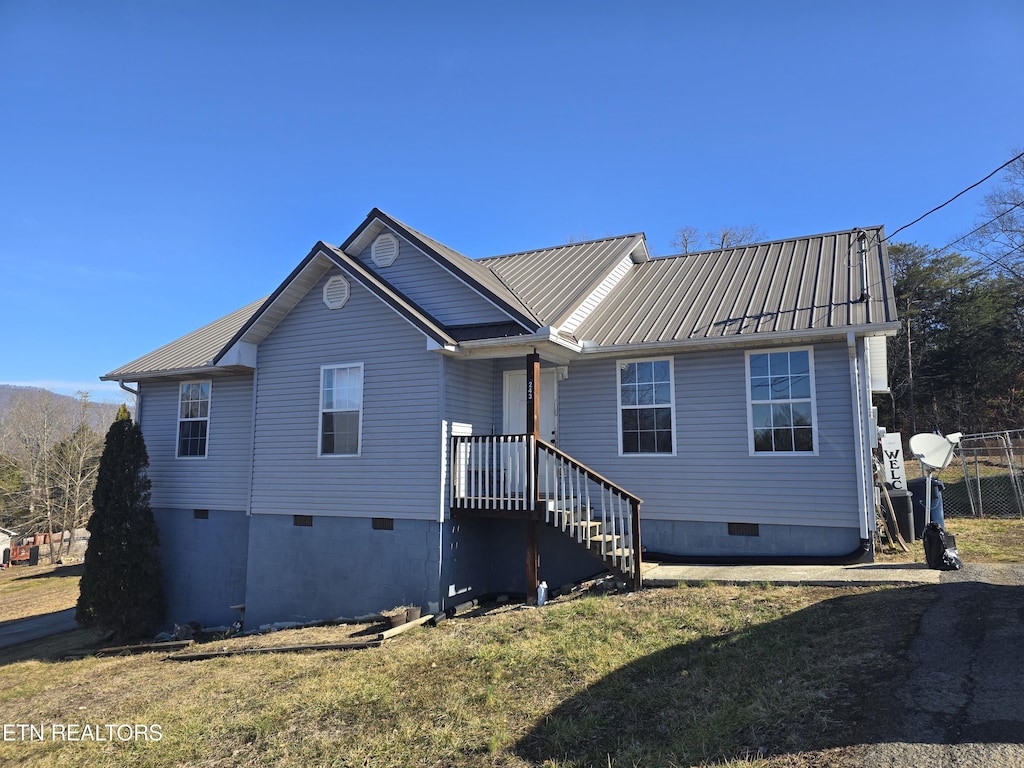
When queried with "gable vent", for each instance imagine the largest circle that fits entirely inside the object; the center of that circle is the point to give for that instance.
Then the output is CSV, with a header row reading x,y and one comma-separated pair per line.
x,y
336,292
384,250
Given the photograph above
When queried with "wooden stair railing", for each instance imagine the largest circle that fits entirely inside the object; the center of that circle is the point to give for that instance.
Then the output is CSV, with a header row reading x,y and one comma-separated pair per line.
x,y
519,473
590,508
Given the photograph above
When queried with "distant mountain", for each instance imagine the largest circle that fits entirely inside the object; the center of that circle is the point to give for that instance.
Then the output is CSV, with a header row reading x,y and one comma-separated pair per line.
x,y
102,414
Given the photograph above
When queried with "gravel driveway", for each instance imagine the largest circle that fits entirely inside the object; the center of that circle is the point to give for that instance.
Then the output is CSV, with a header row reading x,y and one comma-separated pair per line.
x,y
963,702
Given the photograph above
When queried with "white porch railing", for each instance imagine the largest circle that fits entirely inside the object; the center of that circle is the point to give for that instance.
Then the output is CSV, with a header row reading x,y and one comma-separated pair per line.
x,y
523,474
493,472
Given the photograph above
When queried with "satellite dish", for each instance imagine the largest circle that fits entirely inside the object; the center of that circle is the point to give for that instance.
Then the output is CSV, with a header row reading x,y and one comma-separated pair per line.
x,y
933,451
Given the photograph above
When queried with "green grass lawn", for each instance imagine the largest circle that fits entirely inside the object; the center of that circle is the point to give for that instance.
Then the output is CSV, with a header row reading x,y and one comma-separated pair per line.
x,y
661,677
710,675
31,590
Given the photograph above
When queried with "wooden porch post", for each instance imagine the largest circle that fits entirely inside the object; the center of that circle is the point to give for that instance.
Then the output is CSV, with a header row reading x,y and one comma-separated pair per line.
x,y
533,429
638,579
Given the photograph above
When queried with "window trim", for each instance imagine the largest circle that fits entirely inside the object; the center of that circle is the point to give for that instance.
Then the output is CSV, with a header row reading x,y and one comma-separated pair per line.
x,y
619,366
321,411
178,421
813,399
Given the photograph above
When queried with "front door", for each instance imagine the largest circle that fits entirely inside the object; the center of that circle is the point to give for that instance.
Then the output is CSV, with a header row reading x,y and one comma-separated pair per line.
x,y
515,413
514,422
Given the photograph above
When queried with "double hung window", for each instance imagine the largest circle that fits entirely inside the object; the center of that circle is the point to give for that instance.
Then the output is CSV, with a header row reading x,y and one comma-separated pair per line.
x,y
646,407
341,409
781,392
193,418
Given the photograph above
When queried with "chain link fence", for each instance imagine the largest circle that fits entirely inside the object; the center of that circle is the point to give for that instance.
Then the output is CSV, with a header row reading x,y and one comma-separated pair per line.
x,y
984,479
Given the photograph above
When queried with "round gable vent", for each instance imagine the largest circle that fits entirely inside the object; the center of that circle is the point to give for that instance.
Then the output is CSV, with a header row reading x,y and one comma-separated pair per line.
x,y
336,292
384,250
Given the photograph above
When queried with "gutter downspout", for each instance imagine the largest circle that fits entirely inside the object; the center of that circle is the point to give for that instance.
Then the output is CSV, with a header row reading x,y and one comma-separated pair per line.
x,y
252,447
137,394
858,434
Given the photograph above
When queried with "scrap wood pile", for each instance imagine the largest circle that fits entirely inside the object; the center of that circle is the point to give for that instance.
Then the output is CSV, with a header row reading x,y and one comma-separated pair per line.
x,y
195,643
889,526
199,644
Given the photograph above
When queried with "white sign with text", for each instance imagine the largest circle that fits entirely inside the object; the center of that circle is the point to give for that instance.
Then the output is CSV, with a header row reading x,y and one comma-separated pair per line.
x,y
892,460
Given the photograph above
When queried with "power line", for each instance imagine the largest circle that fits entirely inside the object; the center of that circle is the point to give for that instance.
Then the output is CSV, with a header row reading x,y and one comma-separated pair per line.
x,y
954,197
977,229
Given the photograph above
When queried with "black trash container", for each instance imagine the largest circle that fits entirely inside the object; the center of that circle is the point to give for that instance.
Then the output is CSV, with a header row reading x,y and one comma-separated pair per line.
x,y
919,487
903,506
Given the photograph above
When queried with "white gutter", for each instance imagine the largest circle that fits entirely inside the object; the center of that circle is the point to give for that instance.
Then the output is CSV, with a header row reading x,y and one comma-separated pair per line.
x,y
547,335
812,336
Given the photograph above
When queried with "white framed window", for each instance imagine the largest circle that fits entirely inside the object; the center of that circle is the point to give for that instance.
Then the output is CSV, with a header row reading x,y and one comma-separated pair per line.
x,y
341,409
193,419
646,407
780,402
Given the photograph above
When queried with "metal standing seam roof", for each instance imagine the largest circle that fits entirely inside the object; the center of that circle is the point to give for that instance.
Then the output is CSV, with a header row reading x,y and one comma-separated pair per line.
x,y
805,284
192,351
798,285
554,281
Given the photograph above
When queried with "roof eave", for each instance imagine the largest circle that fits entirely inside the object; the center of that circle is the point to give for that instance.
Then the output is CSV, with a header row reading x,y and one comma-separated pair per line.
x,y
177,373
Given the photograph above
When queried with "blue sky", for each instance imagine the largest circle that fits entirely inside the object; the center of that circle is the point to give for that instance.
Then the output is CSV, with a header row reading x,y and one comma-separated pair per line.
x,y
164,163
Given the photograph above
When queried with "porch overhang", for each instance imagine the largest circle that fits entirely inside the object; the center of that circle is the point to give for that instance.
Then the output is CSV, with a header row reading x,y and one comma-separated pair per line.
x,y
546,342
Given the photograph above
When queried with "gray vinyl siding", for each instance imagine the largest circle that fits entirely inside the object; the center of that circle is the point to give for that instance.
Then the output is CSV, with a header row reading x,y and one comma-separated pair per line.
x,y
712,477
434,288
221,479
469,386
397,473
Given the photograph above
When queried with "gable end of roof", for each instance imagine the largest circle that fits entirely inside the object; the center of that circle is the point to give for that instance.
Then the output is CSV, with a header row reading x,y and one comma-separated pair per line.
x,y
466,270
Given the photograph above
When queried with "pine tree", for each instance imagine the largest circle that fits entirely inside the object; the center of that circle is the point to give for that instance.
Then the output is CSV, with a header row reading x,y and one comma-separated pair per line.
x,y
121,587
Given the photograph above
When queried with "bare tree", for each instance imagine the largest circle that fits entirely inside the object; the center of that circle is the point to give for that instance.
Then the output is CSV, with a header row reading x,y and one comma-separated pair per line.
x,y
50,457
999,238
33,423
75,464
689,239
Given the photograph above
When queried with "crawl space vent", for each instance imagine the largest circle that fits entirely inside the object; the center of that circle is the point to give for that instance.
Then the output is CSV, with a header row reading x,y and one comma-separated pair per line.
x,y
336,292
384,250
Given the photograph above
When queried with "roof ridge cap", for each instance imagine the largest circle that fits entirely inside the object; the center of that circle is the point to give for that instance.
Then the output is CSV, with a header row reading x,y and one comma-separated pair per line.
x,y
560,246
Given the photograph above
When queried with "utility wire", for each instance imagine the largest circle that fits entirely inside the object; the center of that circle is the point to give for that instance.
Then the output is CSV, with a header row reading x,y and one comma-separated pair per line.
x,y
976,229
954,197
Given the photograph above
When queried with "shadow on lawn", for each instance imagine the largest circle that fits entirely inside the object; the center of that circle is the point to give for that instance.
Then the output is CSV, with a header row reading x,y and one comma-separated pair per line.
x,y
75,643
820,677
58,572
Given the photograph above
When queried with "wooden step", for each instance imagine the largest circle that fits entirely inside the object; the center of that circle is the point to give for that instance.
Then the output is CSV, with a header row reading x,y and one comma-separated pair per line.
x,y
621,552
605,541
